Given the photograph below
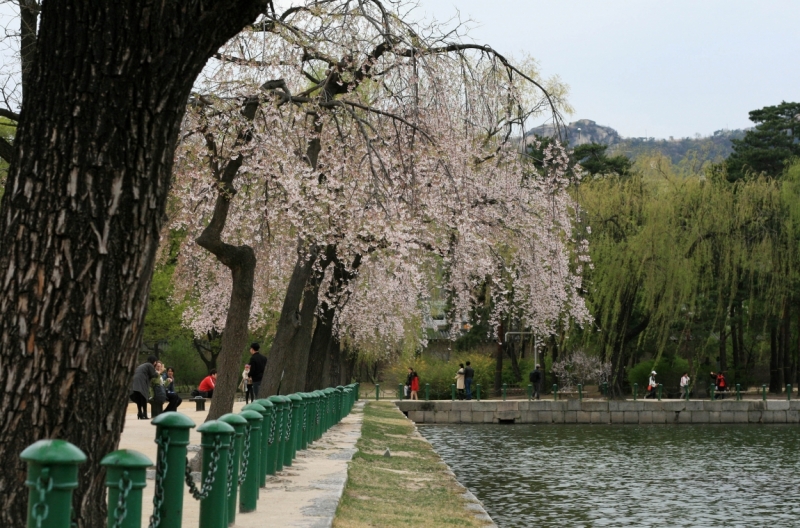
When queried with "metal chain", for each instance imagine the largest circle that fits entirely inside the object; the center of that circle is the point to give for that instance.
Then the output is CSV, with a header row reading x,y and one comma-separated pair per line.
x,y
230,472
161,472
317,405
121,511
208,484
289,423
272,428
245,455
40,510
305,412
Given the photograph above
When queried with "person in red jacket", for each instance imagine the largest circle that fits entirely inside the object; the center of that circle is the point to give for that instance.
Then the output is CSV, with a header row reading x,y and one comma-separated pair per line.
x,y
206,388
414,384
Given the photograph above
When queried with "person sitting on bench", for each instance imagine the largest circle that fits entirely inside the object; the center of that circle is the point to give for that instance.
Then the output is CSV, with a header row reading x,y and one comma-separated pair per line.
x,y
169,384
206,388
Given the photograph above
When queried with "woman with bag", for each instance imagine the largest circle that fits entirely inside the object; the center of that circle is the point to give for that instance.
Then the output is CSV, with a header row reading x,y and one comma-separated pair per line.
x,y
414,385
460,381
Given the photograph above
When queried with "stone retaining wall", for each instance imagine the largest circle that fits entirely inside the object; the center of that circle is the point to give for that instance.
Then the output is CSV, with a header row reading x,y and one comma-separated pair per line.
x,y
602,411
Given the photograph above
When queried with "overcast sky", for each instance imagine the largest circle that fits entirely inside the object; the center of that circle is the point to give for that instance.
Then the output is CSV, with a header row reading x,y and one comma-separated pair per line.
x,y
655,68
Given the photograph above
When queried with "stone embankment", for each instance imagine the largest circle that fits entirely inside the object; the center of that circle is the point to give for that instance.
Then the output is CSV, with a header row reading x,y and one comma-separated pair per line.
x,y
602,411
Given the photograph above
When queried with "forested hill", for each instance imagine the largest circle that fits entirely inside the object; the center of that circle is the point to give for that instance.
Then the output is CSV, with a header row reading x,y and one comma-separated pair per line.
x,y
713,148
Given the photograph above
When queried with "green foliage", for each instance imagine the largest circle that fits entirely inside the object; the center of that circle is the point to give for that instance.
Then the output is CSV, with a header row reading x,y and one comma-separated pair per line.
x,y
769,147
181,355
593,158
669,370
441,374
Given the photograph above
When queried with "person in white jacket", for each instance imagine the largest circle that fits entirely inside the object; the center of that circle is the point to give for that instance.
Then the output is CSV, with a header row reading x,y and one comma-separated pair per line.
x,y
651,386
685,385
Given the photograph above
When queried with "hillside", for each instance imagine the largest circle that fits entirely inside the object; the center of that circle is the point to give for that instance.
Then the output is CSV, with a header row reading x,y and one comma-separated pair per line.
x,y
712,148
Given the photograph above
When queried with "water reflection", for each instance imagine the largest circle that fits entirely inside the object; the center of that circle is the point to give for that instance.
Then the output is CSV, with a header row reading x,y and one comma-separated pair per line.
x,y
590,475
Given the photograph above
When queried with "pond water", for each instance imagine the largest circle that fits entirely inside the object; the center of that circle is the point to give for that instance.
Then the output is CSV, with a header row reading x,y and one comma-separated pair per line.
x,y
596,475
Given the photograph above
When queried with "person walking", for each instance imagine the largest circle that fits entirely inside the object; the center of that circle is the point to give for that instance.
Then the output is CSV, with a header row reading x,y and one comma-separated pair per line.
x,y
651,386
535,378
459,377
469,373
172,396
258,364
685,385
414,385
140,390
407,386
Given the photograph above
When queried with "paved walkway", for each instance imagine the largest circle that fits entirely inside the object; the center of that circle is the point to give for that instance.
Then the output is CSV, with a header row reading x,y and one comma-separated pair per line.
x,y
304,495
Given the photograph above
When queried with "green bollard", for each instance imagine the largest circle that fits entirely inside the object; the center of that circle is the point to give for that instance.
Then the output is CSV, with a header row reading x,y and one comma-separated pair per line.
x,y
452,392
530,392
216,440
248,494
427,391
738,392
635,391
288,437
711,391
239,424
580,392
764,392
377,392
259,447
555,392
302,440
266,426
658,390
316,421
172,437
339,395
505,388
478,391
277,444
297,423
126,477
52,475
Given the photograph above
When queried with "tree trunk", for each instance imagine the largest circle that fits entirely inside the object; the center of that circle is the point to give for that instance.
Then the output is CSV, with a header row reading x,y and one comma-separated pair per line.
x,y
318,362
294,380
512,354
786,331
723,346
318,358
735,346
81,217
289,323
498,368
774,370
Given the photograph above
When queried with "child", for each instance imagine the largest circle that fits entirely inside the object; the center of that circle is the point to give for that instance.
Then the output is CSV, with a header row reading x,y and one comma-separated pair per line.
x,y
247,385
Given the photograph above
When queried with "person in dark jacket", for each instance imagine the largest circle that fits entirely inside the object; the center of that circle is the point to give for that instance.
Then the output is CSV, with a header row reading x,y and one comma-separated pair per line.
x,y
169,384
535,378
469,373
258,364
140,391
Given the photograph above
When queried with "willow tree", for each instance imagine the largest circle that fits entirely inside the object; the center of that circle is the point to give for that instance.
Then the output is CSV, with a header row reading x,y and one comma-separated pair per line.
x,y
683,262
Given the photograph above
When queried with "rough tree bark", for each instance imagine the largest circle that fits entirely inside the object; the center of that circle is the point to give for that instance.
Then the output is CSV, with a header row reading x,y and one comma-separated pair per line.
x,y
81,217
289,322
319,358
241,260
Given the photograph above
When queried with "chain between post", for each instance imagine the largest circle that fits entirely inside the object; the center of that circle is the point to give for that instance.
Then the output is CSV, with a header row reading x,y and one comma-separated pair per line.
x,y
41,510
245,455
161,471
121,511
208,484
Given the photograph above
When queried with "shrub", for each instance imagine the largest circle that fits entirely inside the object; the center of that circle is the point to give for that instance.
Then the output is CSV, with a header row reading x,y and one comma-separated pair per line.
x,y
669,370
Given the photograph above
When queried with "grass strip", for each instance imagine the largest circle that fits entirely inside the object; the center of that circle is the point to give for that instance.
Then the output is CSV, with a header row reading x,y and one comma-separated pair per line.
x,y
410,488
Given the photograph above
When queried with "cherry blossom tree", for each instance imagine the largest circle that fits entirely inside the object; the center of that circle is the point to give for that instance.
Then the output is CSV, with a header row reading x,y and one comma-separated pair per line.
x,y
372,143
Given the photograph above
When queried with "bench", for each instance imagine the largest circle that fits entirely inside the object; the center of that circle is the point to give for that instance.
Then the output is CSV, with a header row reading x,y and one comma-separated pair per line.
x,y
200,403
